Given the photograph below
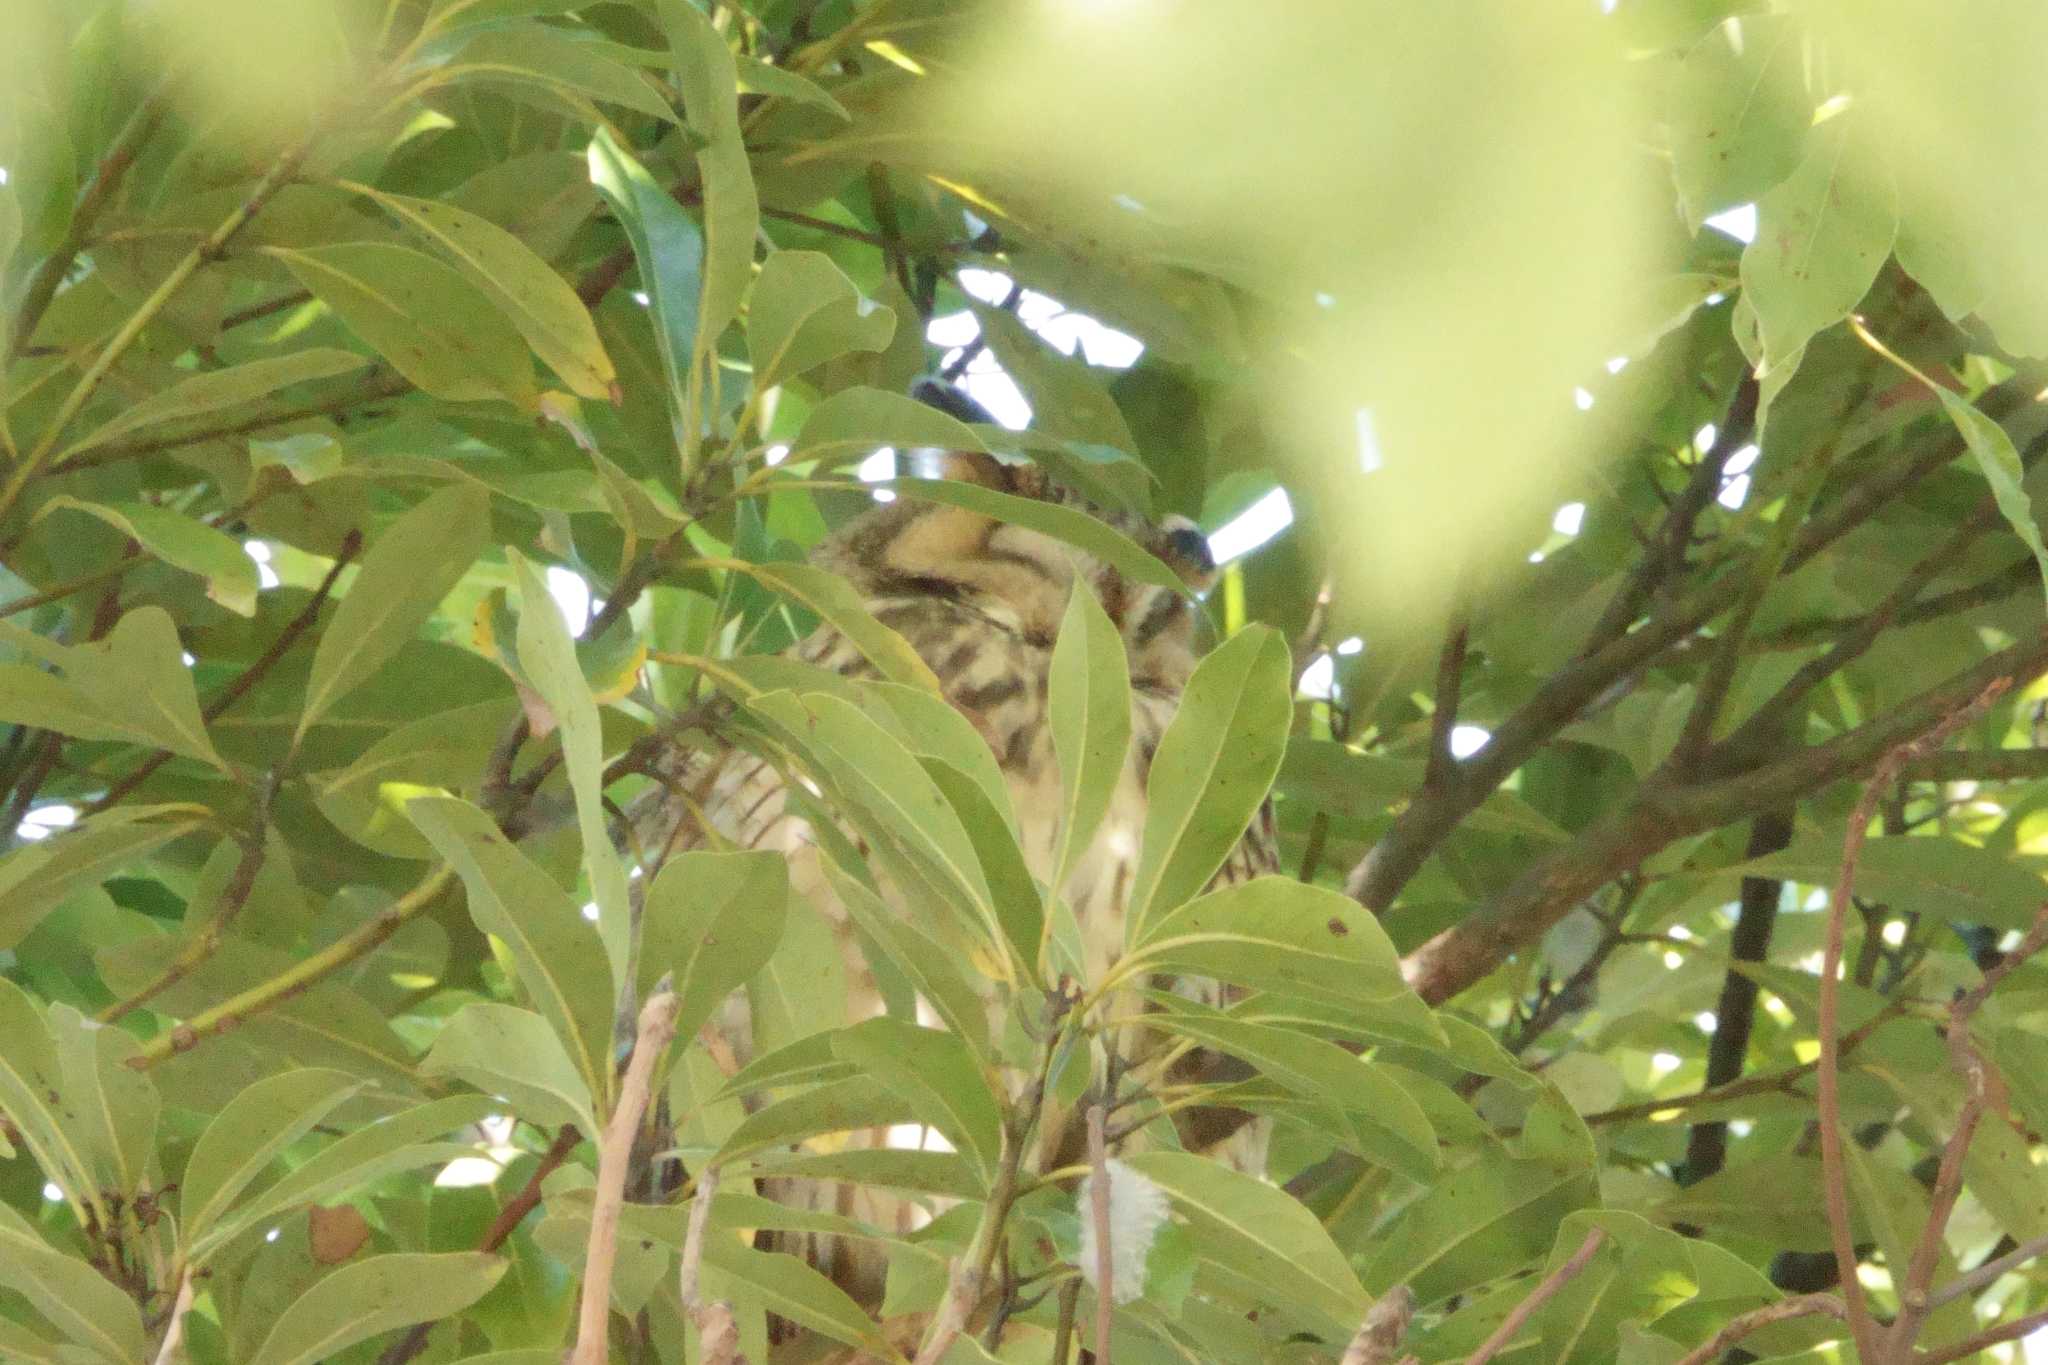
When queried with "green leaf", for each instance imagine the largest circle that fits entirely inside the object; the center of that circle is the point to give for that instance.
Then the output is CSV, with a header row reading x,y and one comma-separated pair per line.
x,y
416,562
540,303
1089,710
804,312
32,1094
937,1073
759,78
180,542
131,687
502,1050
436,328
1939,878
110,1107
401,1142
35,878
1482,1220
78,1301
1260,1235
1277,934
854,422
790,1289
834,600
1820,240
670,249
1069,525
936,973
1738,112
364,1298
712,920
535,54
246,1136
1212,771
548,657
835,1107
217,389
732,217
1067,401
557,953
1391,1128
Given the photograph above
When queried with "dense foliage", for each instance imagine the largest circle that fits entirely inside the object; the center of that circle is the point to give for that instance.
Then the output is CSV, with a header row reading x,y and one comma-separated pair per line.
x,y
414,415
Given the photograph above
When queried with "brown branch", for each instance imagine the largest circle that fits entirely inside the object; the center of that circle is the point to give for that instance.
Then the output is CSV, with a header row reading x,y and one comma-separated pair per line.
x,y
65,589
1987,1273
240,684
718,1333
256,312
1442,768
1834,1176
1784,1310
1543,1293
369,391
497,1234
1386,1322
1735,1011
92,201
614,1155
1990,1336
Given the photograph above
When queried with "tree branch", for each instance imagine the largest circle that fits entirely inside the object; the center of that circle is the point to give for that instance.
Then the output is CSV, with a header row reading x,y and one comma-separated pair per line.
x,y
615,1154
1386,1322
1442,768
369,391
1784,1310
1540,1295
92,201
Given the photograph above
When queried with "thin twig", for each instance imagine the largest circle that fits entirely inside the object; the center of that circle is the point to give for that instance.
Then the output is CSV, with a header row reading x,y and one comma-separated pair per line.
x,y
1386,1322
1784,1310
718,1333
360,393
301,976
92,201
1988,1273
958,365
1834,1176
1098,1210
174,1330
497,1234
1990,1336
255,312
1063,1330
247,678
615,1153
1442,770
1543,1293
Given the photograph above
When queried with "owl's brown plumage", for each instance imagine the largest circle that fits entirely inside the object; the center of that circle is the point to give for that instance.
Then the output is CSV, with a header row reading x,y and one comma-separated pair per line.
x,y
981,602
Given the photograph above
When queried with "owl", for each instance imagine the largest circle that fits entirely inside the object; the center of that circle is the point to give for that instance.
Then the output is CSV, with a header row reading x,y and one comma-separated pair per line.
x,y
981,602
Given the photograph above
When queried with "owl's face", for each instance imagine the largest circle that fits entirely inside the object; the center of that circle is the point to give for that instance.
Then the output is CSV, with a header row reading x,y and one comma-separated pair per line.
x,y
1020,579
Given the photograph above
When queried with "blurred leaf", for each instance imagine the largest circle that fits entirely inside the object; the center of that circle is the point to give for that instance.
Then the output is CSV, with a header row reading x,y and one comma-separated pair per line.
x,y
804,312
76,1299
1069,525
1212,771
246,1136
1260,1235
1480,1221
938,1076
436,328
132,687
35,878
548,657
1276,934
842,608
1738,114
712,920
1089,711
204,393
1820,240
1942,878
670,248
539,302
515,1053
1067,401
559,957
359,1301
537,54
181,542
758,77
416,562
853,422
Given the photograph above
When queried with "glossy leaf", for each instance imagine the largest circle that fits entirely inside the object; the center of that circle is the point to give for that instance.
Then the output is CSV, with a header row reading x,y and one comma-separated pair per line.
x,y
404,576
670,248
360,1300
539,302
1213,767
